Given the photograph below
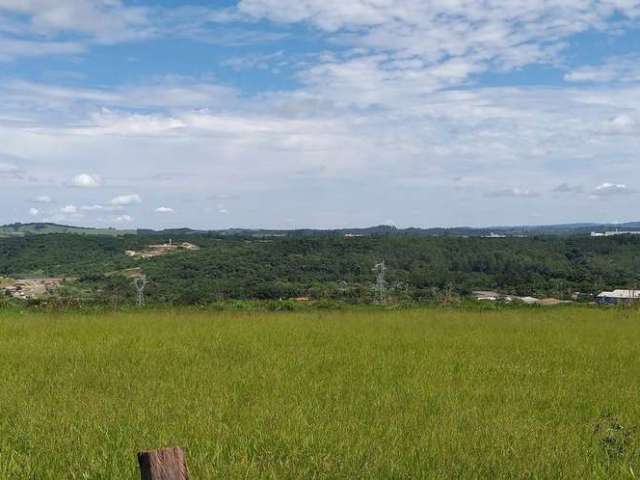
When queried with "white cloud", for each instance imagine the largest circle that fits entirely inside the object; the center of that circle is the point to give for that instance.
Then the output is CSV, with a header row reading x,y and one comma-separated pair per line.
x,y
498,135
105,20
125,200
69,209
123,219
622,124
165,210
611,189
10,49
91,208
43,199
34,212
49,27
273,62
164,93
513,192
439,43
397,102
170,93
85,180
101,208
617,69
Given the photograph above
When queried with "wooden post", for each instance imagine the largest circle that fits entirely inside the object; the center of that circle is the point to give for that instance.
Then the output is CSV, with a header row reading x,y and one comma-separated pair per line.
x,y
164,464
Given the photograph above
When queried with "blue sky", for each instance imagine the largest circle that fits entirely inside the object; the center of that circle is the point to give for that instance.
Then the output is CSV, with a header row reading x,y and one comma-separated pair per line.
x,y
319,113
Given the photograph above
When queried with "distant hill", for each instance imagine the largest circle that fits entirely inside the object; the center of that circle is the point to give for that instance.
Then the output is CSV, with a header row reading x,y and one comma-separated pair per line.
x,y
509,231
22,229
272,265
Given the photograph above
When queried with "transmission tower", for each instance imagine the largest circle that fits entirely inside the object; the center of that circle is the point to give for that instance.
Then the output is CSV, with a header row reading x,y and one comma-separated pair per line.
x,y
139,283
381,284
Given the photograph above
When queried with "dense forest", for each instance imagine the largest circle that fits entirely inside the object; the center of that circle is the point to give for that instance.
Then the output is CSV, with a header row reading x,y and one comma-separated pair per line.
x,y
326,266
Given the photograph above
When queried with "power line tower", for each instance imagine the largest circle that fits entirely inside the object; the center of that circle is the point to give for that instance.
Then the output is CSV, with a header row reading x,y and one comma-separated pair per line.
x,y
381,284
139,283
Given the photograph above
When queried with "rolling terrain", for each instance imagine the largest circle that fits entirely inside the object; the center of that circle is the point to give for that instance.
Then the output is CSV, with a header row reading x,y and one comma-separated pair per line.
x,y
419,268
21,229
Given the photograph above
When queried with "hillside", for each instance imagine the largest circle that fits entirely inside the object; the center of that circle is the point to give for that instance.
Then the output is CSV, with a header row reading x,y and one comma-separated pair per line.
x,y
22,229
328,266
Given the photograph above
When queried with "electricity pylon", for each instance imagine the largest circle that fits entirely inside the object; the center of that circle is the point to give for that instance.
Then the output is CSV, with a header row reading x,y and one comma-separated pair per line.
x,y
381,284
139,283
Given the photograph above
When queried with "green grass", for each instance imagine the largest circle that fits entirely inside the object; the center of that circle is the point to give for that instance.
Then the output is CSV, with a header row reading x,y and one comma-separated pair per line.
x,y
425,393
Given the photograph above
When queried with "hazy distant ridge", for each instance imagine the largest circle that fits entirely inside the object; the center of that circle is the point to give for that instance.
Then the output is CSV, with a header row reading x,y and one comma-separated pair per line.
x,y
21,229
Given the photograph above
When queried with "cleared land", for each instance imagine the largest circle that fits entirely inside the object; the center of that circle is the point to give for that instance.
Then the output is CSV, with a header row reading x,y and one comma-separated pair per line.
x,y
522,393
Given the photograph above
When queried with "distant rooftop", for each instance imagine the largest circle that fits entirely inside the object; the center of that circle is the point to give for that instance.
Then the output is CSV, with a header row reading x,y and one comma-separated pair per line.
x,y
624,294
614,233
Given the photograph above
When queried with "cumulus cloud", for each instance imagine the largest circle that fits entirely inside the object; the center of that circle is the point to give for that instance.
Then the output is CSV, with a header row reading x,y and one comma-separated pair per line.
x,y
43,199
493,132
608,189
91,208
126,200
123,219
274,62
69,209
398,98
10,49
161,93
165,210
439,43
622,124
86,180
73,26
513,193
34,212
103,20
617,69
333,15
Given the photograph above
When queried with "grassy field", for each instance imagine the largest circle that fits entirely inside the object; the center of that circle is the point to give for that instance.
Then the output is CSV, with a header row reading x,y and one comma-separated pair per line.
x,y
425,393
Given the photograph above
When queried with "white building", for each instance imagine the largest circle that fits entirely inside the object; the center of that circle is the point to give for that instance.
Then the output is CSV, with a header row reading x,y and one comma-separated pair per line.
x,y
618,297
613,234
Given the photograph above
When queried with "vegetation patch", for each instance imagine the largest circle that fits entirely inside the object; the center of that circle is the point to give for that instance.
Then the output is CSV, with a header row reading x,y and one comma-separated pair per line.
x,y
421,269
355,393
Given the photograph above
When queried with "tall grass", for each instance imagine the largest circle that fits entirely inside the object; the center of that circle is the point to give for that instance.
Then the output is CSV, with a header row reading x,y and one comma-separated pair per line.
x,y
424,393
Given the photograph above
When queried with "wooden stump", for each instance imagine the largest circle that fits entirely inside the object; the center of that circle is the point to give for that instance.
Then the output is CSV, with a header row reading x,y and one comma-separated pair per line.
x,y
164,464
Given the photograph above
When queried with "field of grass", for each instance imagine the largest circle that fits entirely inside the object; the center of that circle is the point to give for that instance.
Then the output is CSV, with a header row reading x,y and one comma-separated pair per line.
x,y
424,393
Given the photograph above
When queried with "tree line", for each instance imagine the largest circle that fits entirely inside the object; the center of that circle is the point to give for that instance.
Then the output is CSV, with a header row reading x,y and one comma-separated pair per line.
x,y
420,268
